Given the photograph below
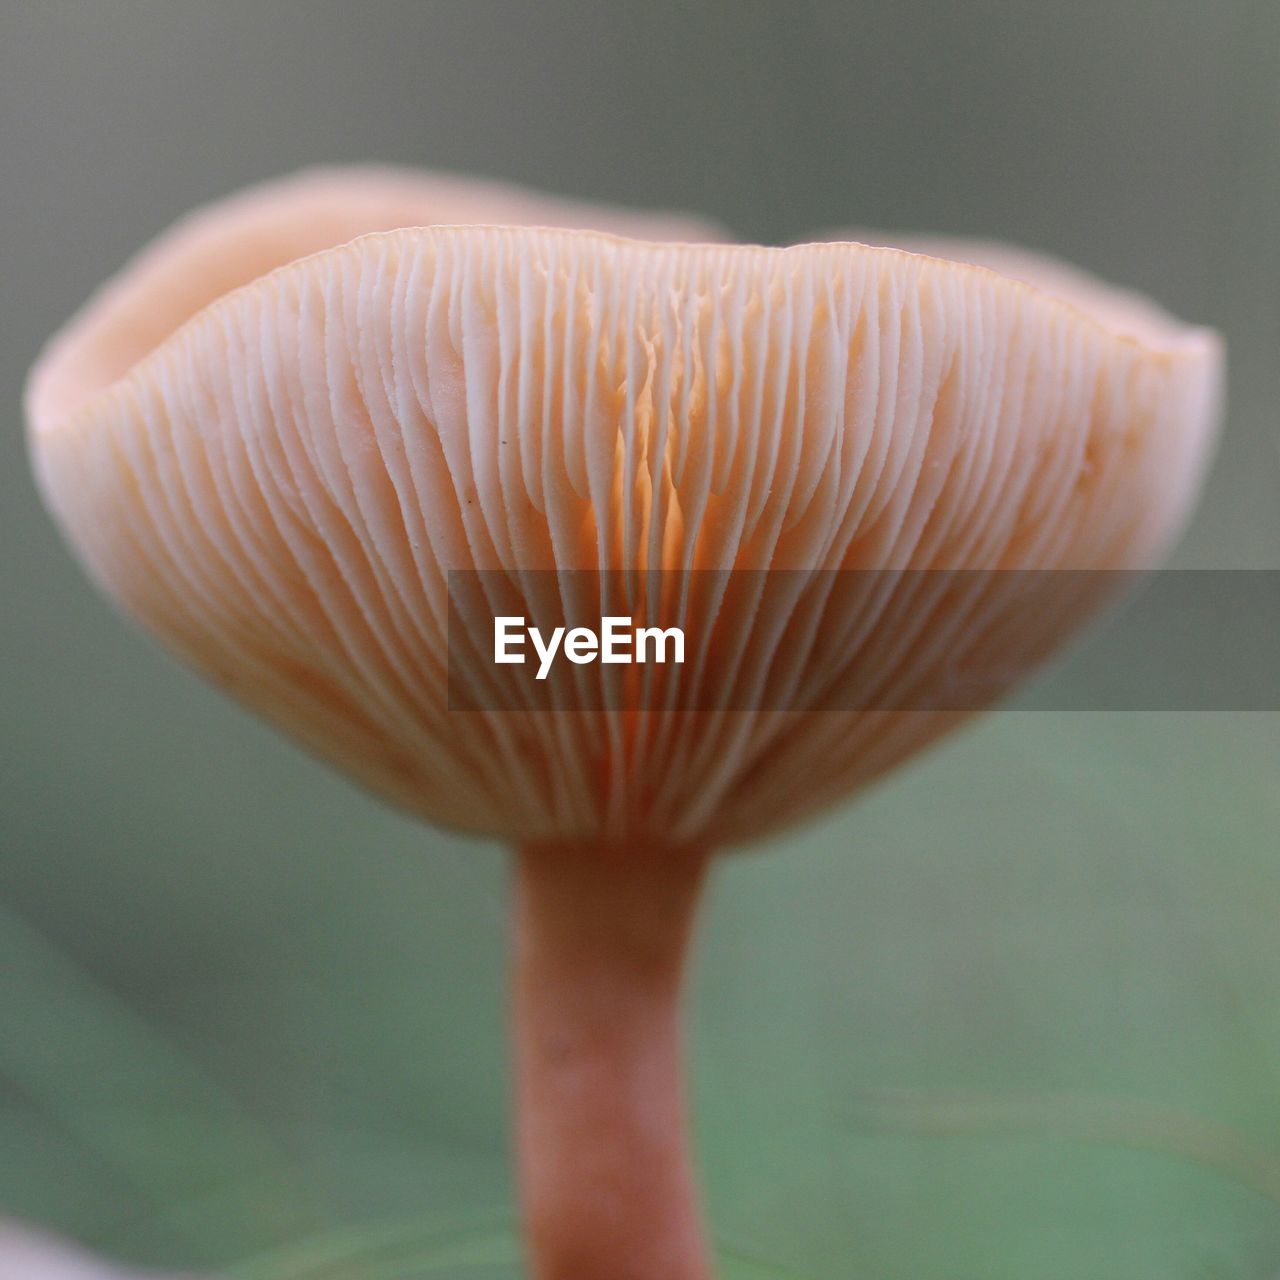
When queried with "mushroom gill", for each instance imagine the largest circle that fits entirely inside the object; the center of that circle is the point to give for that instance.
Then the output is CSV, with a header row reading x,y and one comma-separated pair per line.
x,y
315,466
281,487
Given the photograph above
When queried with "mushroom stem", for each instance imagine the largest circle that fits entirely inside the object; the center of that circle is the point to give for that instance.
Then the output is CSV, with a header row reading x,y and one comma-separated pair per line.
x,y
606,1179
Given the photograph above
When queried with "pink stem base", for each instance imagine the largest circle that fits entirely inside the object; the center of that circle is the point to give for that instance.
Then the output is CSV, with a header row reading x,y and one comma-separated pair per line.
x,y
606,1181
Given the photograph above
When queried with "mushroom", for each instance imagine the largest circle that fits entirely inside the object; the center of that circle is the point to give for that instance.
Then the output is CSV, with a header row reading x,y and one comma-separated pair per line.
x,y
850,472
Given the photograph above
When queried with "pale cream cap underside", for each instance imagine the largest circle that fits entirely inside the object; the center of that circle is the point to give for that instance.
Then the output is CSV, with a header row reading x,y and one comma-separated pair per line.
x,y
277,479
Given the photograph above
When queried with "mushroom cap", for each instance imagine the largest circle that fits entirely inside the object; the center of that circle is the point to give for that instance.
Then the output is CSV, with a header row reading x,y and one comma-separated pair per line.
x,y
293,474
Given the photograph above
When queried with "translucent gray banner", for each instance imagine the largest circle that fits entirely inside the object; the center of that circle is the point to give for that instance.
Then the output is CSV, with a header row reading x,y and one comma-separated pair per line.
x,y
863,641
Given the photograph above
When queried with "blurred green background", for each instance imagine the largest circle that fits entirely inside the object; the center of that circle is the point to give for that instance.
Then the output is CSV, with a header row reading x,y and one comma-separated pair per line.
x,y
1013,1016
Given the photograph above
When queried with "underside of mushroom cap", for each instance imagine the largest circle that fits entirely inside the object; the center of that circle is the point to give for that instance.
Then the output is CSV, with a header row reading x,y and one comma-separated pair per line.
x,y
1122,311
237,240
282,486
